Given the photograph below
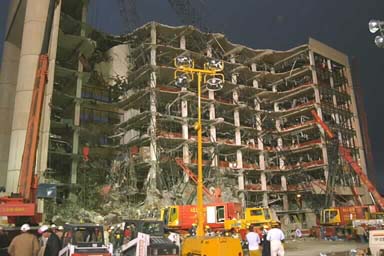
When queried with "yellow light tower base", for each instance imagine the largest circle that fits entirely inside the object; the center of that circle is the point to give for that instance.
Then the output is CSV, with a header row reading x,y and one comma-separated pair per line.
x,y
211,246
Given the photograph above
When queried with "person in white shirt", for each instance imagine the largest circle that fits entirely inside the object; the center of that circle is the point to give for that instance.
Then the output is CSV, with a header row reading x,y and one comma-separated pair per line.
x,y
276,236
253,240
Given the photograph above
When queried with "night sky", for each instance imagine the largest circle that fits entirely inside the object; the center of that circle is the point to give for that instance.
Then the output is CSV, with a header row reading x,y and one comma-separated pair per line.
x,y
281,25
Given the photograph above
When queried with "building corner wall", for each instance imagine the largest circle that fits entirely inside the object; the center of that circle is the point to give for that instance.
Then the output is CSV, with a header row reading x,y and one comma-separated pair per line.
x,y
8,81
33,32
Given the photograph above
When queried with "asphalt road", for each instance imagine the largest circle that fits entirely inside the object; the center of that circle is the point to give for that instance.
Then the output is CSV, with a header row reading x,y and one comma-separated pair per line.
x,y
309,247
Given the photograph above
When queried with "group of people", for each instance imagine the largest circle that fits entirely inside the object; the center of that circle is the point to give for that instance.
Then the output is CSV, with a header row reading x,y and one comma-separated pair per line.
x,y
270,239
28,244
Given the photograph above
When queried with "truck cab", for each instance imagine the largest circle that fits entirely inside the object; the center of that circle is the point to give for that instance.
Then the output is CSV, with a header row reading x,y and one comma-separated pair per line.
x,y
330,217
84,239
256,215
157,243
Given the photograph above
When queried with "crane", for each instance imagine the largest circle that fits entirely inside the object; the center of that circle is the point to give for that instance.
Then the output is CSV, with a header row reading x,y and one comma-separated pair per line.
x,y
346,155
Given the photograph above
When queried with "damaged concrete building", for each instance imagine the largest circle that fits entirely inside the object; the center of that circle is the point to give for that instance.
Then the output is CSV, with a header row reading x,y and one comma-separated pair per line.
x,y
115,97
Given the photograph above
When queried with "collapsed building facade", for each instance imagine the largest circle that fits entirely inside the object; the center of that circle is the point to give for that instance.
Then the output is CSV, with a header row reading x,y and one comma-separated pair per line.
x,y
116,98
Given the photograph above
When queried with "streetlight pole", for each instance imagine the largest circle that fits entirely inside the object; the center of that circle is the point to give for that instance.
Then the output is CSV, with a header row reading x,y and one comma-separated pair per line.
x,y
198,128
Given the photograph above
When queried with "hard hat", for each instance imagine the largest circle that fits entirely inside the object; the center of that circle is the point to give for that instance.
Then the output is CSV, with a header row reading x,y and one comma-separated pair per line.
x,y
43,229
60,228
207,227
25,227
194,224
53,226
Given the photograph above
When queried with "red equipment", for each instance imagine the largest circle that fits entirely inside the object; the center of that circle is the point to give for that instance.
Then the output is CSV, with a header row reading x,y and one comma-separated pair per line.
x,y
181,217
216,197
346,155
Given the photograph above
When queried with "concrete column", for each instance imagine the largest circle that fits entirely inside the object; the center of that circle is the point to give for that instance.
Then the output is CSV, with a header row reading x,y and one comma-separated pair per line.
x,y
33,32
254,67
76,118
184,114
285,196
212,128
241,179
8,81
42,160
263,181
312,64
317,95
151,179
236,117
183,44
212,115
334,100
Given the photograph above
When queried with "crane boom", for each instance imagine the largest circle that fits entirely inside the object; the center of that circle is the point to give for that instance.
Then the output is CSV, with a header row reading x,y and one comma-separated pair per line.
x,y
346,155
28,181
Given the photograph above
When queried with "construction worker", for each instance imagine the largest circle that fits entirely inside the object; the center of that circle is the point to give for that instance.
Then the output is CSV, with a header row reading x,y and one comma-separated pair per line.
x,y
25,244
298,233
192,230
360,232
253,240
208,231
276,237
60,232
53,245
42,241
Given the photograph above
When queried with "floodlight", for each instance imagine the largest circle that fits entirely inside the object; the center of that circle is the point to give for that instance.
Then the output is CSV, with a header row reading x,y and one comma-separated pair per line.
x,y
214,64
379,41
375,25
182,81
214,84
183,62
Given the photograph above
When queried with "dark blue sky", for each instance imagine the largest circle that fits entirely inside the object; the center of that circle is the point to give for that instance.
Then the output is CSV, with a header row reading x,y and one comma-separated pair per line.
x,y
279,24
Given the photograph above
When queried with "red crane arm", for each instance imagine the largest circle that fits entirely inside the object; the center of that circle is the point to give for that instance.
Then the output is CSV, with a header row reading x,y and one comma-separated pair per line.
x,y
346,155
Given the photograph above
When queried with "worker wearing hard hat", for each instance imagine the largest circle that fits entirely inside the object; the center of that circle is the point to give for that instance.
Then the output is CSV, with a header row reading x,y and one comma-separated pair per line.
x,y
25,244
276,237
208,231
192,230
60,232
53,244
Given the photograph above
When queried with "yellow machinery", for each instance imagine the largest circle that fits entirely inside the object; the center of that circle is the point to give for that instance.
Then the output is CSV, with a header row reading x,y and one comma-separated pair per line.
x,y
201,245
255,216
212,246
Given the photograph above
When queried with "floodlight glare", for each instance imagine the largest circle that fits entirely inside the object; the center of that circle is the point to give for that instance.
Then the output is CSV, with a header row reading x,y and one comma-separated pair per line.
x,y
216,65
214,84
182,81
183,61
379,41
374,25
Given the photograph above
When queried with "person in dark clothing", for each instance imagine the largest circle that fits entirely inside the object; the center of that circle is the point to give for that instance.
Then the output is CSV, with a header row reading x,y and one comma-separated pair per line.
x,y
265,243
53,245
4,242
